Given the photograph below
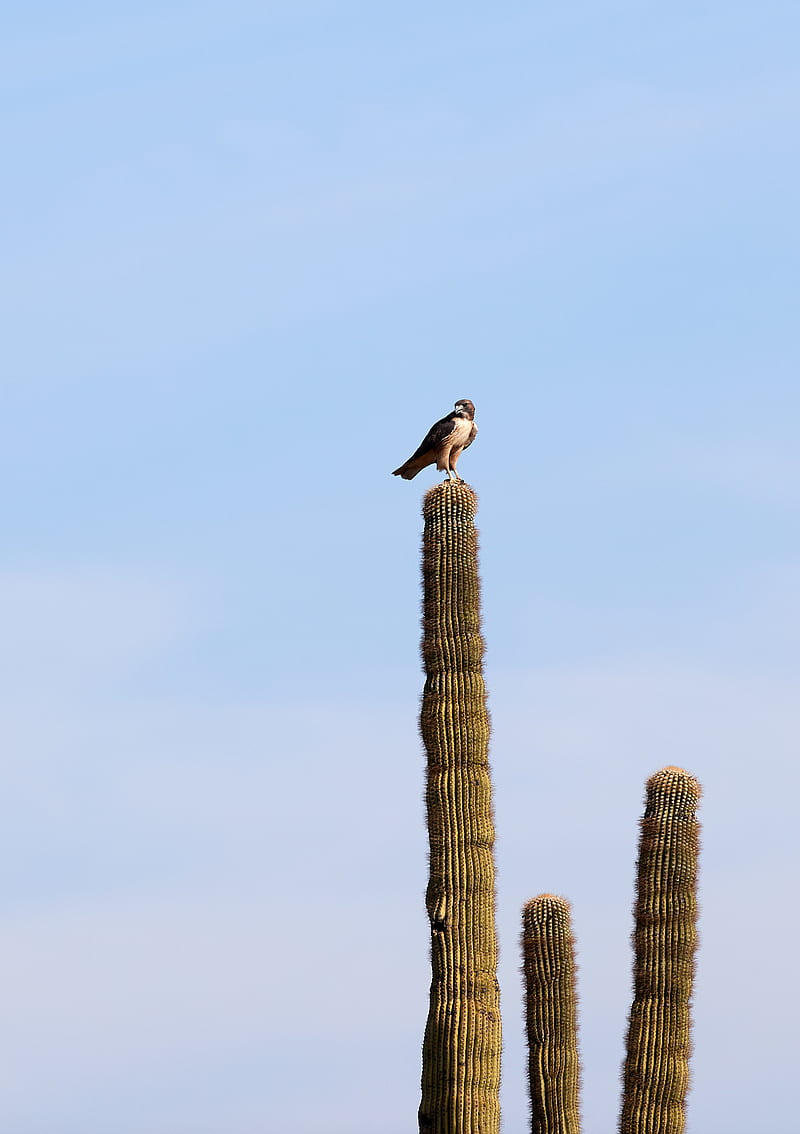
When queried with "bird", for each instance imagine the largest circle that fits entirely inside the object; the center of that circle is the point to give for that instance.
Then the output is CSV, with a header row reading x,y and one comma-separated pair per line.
x,y
444,442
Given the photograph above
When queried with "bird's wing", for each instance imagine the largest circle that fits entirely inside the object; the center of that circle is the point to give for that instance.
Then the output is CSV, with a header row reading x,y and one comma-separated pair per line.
x,y
434,437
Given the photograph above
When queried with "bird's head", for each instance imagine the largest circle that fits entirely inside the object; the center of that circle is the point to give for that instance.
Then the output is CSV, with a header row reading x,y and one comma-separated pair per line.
x,y
465,408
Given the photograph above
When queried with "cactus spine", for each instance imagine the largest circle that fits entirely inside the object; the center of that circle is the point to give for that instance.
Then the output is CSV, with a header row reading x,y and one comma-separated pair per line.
x,y
656,1072
549,970
461,1049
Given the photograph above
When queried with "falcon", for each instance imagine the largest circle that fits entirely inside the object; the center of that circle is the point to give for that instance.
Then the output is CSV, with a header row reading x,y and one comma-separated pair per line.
x,y
444,443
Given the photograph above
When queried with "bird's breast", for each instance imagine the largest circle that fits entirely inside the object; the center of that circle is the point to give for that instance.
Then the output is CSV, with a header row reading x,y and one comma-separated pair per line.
x,y
461,432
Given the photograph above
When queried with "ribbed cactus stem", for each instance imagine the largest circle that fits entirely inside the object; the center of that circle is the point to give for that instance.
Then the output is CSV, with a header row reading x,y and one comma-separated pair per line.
x,y
656,1072
461,1050
548,965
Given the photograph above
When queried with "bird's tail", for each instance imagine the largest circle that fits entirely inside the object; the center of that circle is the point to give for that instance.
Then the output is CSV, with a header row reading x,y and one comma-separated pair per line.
x,y
407,471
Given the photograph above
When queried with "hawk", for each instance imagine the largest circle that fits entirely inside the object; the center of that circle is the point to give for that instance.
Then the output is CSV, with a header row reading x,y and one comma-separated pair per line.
x,y
443,443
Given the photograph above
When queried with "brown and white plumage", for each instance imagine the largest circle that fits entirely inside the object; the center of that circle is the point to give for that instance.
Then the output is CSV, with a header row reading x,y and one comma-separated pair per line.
x,y
444,443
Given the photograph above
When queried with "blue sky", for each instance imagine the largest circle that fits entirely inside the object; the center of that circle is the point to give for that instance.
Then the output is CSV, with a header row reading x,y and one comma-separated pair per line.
x,y
250,253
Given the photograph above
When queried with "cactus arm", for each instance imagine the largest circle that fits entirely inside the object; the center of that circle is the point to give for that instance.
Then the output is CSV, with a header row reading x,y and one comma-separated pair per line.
x,y
548,965
656,1070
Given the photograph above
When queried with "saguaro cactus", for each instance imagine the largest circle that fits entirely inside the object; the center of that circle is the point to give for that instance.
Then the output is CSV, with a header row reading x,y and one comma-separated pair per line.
x,y
656,1072
461,1050
548,962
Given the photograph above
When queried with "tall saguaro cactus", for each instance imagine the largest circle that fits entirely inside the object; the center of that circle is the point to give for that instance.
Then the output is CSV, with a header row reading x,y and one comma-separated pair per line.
x,y
656,1072
461,1050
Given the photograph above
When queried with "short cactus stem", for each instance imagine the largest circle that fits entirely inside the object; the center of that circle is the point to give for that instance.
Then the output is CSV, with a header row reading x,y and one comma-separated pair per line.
x,y
461,1049
548,965
656,1071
